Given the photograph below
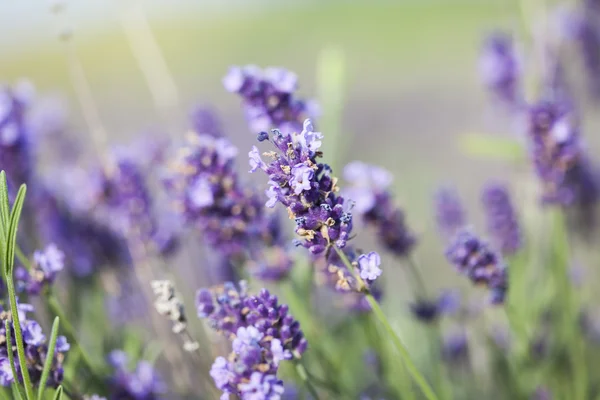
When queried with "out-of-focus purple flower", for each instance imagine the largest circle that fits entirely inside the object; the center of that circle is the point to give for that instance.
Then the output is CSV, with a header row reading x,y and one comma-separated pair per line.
x,y
143,383
205,122
449,212
500,69
268,98
475,259
87,244
36,349
368,189
447,303
15,137
566,175
455,348
263,334
502,222
129,202
368,265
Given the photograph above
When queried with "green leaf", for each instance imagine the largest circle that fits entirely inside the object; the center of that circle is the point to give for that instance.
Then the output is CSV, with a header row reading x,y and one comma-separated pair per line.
x,y
49,358
4,216
11,244
494,147
16,391
59,393
4,206
11,359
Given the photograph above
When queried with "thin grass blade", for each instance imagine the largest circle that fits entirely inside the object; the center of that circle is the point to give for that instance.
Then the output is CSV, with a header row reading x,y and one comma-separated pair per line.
x,y
59,393
49,358
11,359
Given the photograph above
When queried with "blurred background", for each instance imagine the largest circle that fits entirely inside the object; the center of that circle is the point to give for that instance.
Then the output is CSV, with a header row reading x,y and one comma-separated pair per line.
x,y
410,85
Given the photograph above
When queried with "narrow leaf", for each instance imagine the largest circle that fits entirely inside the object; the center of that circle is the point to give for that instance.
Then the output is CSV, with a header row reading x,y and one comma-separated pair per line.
x,y
49,358
15,216
59,393
11,359
16,392
494,147
4,216
4,206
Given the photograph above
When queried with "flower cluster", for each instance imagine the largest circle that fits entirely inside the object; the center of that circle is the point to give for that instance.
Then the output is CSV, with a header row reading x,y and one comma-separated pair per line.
x,y
207,194
46,265
36,350
86,243
205,122
268,98
128,200
426,311
231,217
305,187
502,223
15,148
142,383
263,334
450,214
500,69
476,260
369,190
560,162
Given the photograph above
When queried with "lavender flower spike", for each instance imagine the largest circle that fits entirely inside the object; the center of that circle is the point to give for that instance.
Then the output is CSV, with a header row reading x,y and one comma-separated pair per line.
x,y
449,212
475,259
268,98
501,218
369,189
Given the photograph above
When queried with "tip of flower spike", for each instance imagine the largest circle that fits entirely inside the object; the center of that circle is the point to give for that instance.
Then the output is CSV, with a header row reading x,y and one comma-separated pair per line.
x,y
262,136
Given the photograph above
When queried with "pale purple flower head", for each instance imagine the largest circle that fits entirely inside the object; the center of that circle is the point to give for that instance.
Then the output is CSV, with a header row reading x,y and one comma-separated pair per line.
x,y
502,222
256,161
368,265
6,374
301,178
262,387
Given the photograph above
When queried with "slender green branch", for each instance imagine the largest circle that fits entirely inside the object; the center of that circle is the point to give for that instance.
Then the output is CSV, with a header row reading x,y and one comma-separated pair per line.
x,y
19,339
415,274
56,309
23,258
410,365
11,359
304,377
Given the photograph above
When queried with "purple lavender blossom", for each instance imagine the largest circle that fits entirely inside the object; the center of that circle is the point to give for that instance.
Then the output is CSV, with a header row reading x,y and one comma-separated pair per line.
x,y
455,348
369,190
143,383
36,349
476,260
502,222
368,265
449,211
426,311
567,177
15,136
129,202
263,334
268,98
307,189
205,122
87,244
500,69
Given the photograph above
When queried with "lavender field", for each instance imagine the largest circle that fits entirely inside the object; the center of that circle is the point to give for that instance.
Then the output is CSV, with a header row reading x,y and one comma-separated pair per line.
x,y
305,200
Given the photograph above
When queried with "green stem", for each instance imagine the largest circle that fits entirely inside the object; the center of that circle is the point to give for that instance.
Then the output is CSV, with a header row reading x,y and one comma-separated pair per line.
x,y
19,339
55,308
417,280
304,377
410,365
22,258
